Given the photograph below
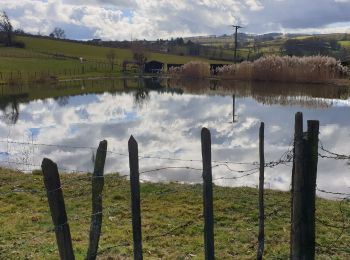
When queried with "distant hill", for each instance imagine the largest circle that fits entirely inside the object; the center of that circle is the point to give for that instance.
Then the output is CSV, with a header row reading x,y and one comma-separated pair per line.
x,y
251,46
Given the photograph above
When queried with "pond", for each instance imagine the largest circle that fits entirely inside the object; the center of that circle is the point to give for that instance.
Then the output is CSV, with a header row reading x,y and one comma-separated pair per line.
x,y
66,122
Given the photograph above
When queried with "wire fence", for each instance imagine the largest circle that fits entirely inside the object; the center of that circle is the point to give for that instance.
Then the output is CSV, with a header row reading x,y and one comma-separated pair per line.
x,y
77,186
286,159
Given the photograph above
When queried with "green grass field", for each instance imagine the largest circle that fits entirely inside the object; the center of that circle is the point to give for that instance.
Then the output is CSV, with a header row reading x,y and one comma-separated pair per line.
x,y
93,52
172,220
345,44
38,56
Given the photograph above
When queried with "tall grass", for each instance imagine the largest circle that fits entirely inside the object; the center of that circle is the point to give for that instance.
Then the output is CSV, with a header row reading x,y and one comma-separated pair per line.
x,y
313,69
193,69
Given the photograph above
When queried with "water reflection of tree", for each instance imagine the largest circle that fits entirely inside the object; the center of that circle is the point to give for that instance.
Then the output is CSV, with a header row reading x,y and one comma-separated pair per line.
x,y
141,97
11,113
306,95
62,101
10,107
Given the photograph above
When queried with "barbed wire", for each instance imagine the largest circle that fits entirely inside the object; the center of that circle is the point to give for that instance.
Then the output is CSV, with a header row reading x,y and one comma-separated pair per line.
x,y
331,192
332,155
235,177
124,154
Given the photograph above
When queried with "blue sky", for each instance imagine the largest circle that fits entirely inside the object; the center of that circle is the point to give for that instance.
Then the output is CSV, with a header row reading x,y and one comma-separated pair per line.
x,y
149,19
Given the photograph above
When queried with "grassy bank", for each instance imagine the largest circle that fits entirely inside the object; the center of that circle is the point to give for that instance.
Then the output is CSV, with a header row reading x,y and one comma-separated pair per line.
x,y
171,220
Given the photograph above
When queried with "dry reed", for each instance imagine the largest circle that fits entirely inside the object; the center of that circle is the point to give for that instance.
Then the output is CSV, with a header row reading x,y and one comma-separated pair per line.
x,y
193,69
313,69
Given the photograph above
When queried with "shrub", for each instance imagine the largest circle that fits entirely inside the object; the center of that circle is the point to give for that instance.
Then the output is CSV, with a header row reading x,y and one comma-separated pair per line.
x,y
20,45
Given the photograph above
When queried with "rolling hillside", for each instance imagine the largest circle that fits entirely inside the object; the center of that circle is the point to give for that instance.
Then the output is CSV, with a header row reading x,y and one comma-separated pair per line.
x,y
266,44
61,58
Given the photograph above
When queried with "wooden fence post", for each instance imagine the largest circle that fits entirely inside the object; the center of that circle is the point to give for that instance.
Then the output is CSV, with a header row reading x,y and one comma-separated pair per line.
x,y
304,189
97,188
297,183
58,211
207,195
261,238
135,197
309,191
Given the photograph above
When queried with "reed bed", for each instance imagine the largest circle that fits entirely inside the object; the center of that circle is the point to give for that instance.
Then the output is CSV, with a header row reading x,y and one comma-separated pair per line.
x,y
193,69
313,69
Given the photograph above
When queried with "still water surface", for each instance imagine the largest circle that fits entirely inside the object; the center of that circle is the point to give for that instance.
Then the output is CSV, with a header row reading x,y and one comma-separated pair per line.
x,y
166,119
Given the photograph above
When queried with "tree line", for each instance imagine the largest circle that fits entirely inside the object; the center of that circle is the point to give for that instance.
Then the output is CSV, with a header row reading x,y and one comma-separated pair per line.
x,y
8,33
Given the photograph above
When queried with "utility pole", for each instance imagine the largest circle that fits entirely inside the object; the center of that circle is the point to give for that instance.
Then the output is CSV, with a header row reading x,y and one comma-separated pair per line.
x,y
233,108
236,41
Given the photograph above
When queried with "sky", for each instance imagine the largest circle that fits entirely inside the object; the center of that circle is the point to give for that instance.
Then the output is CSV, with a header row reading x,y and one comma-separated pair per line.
x,y
149,19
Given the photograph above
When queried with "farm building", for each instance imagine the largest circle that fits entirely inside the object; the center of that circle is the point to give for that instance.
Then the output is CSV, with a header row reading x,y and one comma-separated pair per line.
x,y
173,66
345,62
153,66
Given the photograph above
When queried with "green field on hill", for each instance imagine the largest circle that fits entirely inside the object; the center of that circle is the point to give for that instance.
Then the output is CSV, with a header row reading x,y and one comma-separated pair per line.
x,y
345,44
172,220
39,52
43,56
90,52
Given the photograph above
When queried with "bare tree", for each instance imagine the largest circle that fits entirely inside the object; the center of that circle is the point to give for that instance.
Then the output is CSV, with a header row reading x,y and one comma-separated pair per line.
x,y
111,56
6,29
139,56
58,33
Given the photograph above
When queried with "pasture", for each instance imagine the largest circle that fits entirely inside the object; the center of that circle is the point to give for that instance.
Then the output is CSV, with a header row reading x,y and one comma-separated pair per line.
x,y
172,220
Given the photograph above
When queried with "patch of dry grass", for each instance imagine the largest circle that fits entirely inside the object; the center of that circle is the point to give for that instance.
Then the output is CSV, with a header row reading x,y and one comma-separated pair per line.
x,y
313,69
193,69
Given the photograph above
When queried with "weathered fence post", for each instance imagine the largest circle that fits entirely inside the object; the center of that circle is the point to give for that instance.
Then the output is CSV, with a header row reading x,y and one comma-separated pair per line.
x,y
97,188
207,195
135,197
297,183
261,238
309,191
58,211
304,189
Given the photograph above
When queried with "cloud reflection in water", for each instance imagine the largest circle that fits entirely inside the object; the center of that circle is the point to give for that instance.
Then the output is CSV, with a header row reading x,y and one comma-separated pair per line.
x,y
169,125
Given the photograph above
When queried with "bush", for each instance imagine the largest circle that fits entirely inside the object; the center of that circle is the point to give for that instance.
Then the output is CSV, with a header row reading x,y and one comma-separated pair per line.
x,y
16,44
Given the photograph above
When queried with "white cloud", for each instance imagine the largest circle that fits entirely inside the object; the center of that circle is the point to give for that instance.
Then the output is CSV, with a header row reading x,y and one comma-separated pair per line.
x,y
163,19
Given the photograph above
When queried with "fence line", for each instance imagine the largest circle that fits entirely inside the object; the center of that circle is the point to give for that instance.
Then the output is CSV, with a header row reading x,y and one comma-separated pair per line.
x,y
124,154
249,171
286,159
